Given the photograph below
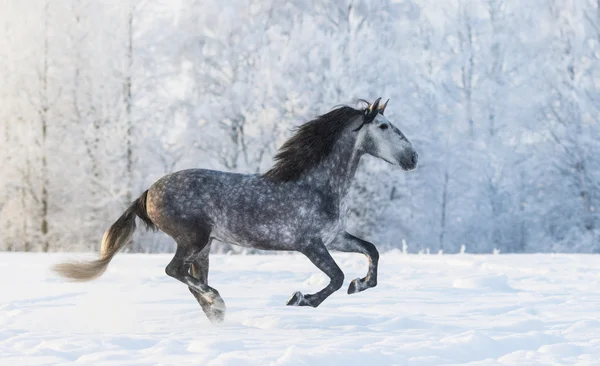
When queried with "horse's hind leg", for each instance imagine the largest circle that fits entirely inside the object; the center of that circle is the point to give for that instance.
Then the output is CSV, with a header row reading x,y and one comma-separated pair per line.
x,y
318,254
179,268
199,270
350,243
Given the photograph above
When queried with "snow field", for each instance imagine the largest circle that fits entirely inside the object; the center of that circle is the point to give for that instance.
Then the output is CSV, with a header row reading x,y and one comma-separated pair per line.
x,y
427,310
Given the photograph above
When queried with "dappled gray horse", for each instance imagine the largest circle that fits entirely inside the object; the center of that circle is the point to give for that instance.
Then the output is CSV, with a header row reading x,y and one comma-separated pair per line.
x,y
300,204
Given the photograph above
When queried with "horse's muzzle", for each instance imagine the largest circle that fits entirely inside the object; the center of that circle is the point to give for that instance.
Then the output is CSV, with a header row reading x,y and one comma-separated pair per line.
x,y
409,161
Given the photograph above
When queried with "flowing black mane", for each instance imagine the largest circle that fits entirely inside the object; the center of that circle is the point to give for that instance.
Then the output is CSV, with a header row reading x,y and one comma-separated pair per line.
x,y
312,142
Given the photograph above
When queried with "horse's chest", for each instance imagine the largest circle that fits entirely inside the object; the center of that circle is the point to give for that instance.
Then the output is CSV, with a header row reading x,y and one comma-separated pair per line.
x,y
337,226
330,232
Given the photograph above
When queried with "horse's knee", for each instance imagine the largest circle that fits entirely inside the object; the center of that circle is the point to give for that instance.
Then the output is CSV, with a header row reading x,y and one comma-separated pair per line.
x,y
337,280
374,254
372,251
172,269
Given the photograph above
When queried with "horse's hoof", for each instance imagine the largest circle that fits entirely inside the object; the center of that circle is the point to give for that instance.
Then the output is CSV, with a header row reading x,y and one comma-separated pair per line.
x,y
218,304
214,307
215,316
359,284
296,299
354,286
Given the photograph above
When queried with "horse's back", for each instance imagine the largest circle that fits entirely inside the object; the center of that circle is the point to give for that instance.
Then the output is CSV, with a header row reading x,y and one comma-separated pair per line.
x,y
242,209
188,197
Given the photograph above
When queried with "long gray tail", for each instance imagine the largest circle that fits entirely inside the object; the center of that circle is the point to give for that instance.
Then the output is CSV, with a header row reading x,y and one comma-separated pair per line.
x,y
115,238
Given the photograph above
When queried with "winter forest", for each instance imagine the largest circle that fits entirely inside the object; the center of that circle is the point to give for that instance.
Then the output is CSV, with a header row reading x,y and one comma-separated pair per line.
x,y
501,99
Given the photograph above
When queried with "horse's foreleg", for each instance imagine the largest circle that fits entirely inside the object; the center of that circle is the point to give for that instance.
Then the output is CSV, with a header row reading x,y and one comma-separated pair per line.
x,y
318,254
350,243
179,268
199,270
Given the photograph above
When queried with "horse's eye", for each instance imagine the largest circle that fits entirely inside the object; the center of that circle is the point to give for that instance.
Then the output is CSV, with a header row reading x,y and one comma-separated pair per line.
x,y
383,127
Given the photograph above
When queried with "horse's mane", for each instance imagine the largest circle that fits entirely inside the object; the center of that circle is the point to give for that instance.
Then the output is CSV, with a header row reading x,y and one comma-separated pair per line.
x,y
312,142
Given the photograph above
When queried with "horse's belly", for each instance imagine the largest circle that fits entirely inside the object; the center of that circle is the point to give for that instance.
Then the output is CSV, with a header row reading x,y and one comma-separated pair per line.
x,y
258,239
274,237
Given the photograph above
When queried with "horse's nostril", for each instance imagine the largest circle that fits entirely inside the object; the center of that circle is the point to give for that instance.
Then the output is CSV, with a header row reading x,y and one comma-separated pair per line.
x,y
415,157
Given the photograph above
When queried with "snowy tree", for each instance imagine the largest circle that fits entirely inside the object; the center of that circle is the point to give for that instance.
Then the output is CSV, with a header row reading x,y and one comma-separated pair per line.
x,y
499,97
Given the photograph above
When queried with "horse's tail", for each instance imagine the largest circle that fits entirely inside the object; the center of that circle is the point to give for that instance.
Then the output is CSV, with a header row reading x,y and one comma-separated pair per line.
x,y
115,238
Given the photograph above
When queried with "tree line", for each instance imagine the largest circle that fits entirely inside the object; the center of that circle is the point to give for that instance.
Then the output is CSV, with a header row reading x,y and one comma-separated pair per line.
x,y
500,98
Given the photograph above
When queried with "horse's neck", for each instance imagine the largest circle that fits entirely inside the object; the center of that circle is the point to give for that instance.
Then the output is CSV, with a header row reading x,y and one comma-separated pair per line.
x,y
335,173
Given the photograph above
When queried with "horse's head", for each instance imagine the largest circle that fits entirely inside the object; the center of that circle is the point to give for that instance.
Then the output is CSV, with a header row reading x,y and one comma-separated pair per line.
x,y
380,138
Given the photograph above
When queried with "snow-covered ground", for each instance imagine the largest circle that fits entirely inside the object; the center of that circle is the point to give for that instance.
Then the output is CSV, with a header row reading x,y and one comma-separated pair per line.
x,y
426,310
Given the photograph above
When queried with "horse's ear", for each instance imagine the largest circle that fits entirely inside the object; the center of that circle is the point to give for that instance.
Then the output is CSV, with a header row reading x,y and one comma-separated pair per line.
x,y
382,108
370,113
375,105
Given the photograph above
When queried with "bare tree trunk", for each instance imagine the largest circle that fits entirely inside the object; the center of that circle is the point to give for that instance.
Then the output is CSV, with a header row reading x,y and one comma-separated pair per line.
x,y
44,124
584,194
469,85
443,214
6,139
26,246
522,228
466,43
128,102
494,10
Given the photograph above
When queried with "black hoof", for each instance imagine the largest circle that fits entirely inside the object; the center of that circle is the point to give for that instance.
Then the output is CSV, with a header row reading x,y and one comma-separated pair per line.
x,y
215,316
215,309
354,288
359,284
296,299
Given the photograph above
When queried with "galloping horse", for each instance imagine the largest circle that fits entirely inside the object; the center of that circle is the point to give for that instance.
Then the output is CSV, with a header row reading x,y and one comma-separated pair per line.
x,y
299,205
